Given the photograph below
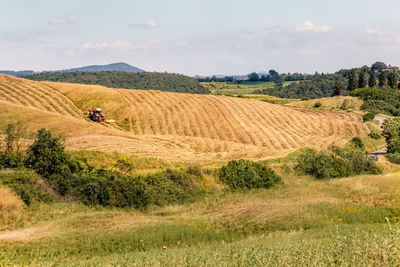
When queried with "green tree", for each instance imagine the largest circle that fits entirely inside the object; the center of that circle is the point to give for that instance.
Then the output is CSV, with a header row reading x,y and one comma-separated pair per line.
x,y
46,155
253,77
338,88
362,81
352,80
372,79
392,82
378,66
382,79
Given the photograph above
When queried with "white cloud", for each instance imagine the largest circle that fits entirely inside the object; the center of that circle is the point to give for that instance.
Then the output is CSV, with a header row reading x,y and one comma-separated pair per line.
x,y
43,39
145,25
111,45
309,26
59,21
183,43
117,45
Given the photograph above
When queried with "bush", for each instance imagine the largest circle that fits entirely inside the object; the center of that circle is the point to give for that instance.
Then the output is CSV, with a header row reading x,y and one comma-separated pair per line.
x,y
245,175
394,145
369,116
323,165
357,143
337,163
317,104
27,185
360,163
374,135
46,155
394,158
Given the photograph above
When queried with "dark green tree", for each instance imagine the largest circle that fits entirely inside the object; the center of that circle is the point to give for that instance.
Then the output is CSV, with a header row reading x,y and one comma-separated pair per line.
x,y
253,77
46,155
382,79
338,88
273,73
378,66
392,82
372,79
352,80
362,81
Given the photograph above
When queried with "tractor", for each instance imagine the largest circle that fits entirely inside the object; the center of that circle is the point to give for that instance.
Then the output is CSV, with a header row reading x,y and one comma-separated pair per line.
x,y
96,115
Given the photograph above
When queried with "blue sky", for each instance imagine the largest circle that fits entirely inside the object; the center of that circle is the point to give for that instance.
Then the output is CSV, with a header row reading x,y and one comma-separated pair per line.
x,y
199,36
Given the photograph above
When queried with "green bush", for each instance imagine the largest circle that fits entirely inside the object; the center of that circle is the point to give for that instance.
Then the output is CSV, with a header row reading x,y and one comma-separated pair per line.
x,y
360,163
357,143
394,145
375,135
323,165
336,163
369,116
245,175
317,104
27,185
46,155
394,158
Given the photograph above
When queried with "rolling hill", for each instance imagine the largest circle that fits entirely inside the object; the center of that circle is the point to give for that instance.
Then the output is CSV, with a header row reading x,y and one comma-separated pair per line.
x,y
120,66
171,125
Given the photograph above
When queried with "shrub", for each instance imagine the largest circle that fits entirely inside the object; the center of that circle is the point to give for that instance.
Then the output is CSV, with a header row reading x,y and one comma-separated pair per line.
x,y
245,175
394,145
357,143
46,155
394,158
27,185
374,135
322,165
369,116
317,104
335,164
360,163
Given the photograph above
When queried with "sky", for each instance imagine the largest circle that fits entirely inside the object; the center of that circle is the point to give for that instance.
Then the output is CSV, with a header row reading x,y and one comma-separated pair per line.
x,y
199,37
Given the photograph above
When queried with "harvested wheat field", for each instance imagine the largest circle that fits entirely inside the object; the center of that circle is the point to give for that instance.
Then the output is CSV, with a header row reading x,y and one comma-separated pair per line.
x,y
172,125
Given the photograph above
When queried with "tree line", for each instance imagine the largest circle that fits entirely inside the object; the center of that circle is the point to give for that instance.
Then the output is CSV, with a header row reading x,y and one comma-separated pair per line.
x,y
116,79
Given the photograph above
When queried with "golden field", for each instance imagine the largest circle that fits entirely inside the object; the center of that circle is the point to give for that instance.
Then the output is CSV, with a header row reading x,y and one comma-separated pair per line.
x,y
174,126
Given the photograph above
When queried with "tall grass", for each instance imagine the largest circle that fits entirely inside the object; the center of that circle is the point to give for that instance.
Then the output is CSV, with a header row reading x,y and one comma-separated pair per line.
x,y
9,200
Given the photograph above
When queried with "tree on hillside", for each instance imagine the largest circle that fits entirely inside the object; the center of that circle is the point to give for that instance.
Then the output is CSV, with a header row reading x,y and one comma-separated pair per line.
x,y
362,81
277,80
352,80
382,79
46,155
253,77
392,82
273,73
378,66
372,79
338,88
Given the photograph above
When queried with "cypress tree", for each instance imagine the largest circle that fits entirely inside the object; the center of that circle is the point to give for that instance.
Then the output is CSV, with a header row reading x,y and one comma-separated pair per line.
x,y
352,80
338,88
372,79
382,79
362,81
392,82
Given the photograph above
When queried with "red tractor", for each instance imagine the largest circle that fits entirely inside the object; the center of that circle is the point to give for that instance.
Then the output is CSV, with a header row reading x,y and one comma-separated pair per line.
x,y
96,115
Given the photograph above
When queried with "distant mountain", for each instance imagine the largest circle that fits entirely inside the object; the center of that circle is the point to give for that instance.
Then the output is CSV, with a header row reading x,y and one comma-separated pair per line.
x,y
21,73
110,67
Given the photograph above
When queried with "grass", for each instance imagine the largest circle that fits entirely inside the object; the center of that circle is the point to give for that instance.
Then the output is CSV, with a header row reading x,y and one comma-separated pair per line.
x,y
221,88
301,221
9,201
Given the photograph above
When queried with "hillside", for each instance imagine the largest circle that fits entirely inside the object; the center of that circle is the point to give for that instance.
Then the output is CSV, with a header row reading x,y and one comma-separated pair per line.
x,y
116,79
110,67
171,125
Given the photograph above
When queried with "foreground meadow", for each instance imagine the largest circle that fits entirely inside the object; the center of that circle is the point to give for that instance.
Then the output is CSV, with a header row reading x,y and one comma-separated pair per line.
x,y
344,221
